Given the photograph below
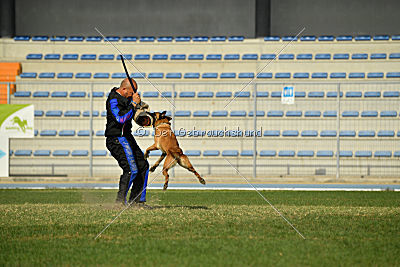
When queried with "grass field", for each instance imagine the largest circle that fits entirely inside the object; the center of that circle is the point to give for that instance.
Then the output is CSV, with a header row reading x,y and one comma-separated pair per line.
x,y
236,228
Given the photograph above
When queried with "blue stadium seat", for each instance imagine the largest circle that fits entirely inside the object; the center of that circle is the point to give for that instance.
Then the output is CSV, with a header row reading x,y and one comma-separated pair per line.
x,y
214,57
65,75
70,57
350,113
238,113
72,113
267,56
178,57
11,152
286,153
289,38
205,94
173,75
338,75
41,94
83,75
345,153
129,39
319,75
366,134
378,56
267,153
126,56
61,153
23,153
369,113
347,133
326,38
155,153
187,94
191,75
48,133
22,94
182,39
79,153
383,154
246,75
247,153
272,133
150,94
100,133
53,113
276,94
396,154
391,94
242,94
200,39
86,113
315,94
394,56
211,153
343,38
272,39
104,113
88,57
305,153
76,39
66,133
227,75
219,113
260,113
328,133
299,94
59,94
138,75
330,113
275,113
309,133
99,153
286,56
182,113
40,38
236,38
353,94
323,56
359,56
106,57
142,57
312,113
393,75
196,57
192,153
324,153
112,38
22,38
309,38
118,75
385,133
28,75
262,94
97,94
165,39
77,94
83,133
168,94
282,75
366,153
264,75
230,153
389,113
249,57
375,75
333,94
101,75
52,56
94,39
356,75
304,57
209,75
155,75
362,38
47,75
381,38
38,113
290,133
294,113
160,57
301,75
372,94
341,56
201,113
231,57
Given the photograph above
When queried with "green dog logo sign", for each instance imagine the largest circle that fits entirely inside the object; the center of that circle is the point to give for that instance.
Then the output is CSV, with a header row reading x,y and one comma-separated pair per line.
x,y
16,120
22,124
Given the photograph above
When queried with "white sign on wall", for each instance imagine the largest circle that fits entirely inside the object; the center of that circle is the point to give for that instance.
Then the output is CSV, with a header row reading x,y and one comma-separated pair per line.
x,y
288,95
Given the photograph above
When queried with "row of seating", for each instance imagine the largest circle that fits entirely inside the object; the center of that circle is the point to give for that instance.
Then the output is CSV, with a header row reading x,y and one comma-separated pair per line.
x,y
216,153
309,38
236,113
235,133
323,56
208,94
213,75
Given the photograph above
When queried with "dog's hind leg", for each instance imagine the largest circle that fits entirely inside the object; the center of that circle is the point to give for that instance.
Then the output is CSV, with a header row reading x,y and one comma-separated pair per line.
x,y
169,162
185,163
150,148
154,167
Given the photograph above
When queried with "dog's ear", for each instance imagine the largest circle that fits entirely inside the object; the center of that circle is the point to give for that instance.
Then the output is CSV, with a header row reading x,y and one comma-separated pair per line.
x,y
168,118
163,113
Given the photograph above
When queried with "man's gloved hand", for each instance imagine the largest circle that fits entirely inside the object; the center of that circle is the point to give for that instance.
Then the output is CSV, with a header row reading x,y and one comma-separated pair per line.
x,y
136,99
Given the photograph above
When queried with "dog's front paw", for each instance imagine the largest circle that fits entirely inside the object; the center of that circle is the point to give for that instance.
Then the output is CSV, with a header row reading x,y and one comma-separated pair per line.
x,y
152,169
202,181
165,186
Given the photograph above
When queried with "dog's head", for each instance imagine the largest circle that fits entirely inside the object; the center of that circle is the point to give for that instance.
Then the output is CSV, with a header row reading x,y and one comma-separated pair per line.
x,y
160,117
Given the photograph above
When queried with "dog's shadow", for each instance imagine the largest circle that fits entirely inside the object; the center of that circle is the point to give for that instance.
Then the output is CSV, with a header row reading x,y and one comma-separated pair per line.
x,y
181,206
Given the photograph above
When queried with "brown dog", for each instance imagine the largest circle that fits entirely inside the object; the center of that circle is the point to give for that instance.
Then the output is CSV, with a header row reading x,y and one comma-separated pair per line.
x,y
165,140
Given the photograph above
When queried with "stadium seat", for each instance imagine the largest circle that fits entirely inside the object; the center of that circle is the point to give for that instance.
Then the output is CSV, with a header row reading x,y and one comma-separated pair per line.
x,y
86,113
94,38
72,113
23,153
129,39
286,57
77,94
200,39
381,38
187,94
352,94
309,133
294,113
323,56
182,39
209,75
385,133
347,133
168,94
282,75
22,38
328,133
267,153
326,38
227,75
276,94
76,39
101,75
356,75
126,57
52,57
142,57
393,75
192,75
41,94
155,153
242,94
112,38
59,94
369,113
231,57
66,133
304,57
272,133
247,153
236,38
230,153
165,39
205,94
118,75
301,75
83,133
319,75
396,154
366,153
338,75
83,75
219,113
340,56
178,57
70,57
394,56
196,57
275,113
324,153
48,133
316,94
362,38
214,57
28,75
383,154
160,57
42,153
305,153
173,75
192,153
150,94
290,133
40,38
378,56
249,57
99,153
79,153
106,57
391,94
211,153
389,113
155,75
299,94
264,75
262,94
345,153
61,153
350,113
366,134
333,94
272,39
238,113
343,38
182,113
289,38
138,75
246,75
88,57
359,56
65,75
286,153
260,113
22,94
374,75
47,75
268,56
38,113
53,113
201,113
309,38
